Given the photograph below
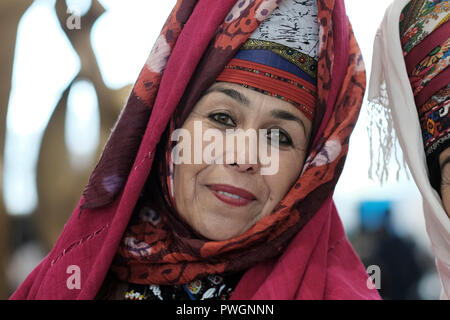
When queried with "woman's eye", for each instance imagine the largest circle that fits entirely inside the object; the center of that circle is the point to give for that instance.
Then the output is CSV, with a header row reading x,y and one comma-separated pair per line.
x,y
223,119
283,138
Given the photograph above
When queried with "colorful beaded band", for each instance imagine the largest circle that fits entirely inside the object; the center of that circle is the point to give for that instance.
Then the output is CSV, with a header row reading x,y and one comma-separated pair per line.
x,y
306,63
272,81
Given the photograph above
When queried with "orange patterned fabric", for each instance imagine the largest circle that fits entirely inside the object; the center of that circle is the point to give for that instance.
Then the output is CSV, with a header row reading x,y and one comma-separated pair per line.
x,y
240,23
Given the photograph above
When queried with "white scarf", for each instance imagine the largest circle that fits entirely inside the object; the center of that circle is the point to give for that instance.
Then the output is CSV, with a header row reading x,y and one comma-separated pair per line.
x,y
391,91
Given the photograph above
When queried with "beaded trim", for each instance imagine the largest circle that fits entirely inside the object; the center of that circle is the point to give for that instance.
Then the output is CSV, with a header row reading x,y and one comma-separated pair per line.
x,y
434,119
438,143
273,76
299,59
273,82
298,105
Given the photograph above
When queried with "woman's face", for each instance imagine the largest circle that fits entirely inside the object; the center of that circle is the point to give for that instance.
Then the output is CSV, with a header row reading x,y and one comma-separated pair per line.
x,y
444,162
221,201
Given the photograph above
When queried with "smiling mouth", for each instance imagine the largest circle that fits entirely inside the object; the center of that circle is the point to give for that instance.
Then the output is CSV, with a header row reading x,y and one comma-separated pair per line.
x,y
230,195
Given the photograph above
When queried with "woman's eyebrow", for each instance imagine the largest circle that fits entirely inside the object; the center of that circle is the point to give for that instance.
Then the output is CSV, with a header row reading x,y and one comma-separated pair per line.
x,y
285,115
239,97
234,94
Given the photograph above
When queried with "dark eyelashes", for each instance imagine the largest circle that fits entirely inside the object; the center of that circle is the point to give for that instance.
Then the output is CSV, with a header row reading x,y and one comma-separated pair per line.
x,y
288,138
215,117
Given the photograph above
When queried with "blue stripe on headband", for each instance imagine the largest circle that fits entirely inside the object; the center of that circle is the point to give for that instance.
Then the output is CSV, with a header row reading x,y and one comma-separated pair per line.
x,y
274,60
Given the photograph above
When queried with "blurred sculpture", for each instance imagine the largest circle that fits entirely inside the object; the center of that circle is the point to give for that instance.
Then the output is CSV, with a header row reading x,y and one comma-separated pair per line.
x,y
10,13
59,184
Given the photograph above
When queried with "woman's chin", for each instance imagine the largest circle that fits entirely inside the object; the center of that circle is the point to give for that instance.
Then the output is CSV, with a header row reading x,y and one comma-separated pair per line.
x,y
217,231
217,236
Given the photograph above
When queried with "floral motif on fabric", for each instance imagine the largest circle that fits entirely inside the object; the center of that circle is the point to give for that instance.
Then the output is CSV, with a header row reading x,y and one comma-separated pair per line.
x,y
213,287
242,21
134,295
433,64
419,18
435,120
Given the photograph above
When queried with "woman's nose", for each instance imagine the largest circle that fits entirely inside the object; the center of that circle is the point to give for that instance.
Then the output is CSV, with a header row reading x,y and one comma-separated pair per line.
x,y
246,167
247,161
241,152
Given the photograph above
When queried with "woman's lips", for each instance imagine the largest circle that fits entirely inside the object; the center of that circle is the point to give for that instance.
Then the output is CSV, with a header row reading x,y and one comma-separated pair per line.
x,y
231,195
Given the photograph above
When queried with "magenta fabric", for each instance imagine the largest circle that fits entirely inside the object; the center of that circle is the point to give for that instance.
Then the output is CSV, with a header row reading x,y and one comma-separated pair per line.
x,y
319,263
421,50
340,23
432,87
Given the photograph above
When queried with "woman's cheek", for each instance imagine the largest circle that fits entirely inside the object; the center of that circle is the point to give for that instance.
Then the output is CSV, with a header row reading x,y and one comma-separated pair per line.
x,y
445,192
289,166
292,164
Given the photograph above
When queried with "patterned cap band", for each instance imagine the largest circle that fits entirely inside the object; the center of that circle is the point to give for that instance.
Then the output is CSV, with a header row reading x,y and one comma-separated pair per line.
x,y
431,72
281,57
419,19
435,120
272,81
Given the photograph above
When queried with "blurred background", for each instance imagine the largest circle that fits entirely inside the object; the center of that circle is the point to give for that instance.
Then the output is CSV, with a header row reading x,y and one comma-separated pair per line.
x,y
66,70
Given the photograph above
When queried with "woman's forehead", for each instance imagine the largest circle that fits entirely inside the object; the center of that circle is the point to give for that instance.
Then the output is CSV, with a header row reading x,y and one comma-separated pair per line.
x,y
250,99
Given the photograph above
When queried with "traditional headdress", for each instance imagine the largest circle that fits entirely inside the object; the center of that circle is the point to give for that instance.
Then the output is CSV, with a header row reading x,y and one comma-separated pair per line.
x,y
425,39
